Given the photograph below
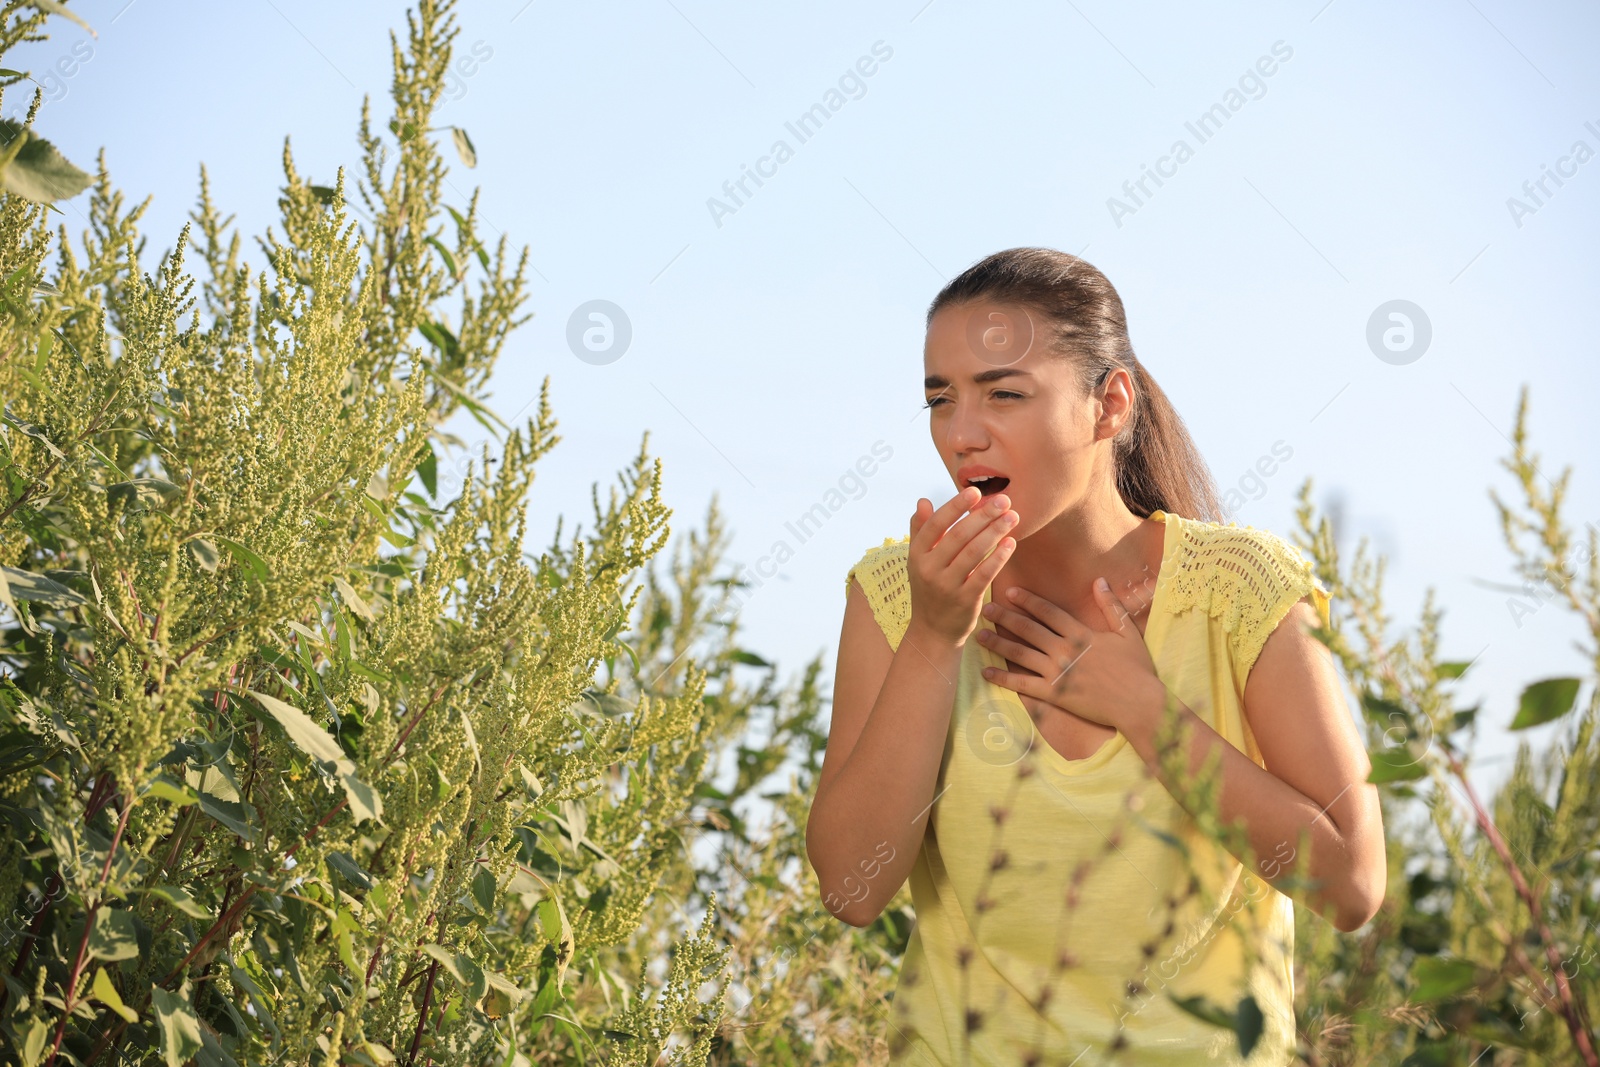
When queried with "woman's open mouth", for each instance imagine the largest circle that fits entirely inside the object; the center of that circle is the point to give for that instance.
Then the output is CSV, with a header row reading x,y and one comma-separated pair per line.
x,y
988,484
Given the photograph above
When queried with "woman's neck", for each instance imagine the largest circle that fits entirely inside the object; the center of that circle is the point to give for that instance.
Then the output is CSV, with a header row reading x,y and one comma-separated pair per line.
x,y
1061,561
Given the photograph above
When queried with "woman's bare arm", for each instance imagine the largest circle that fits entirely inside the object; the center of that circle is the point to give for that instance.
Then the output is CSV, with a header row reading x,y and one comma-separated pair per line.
x,y
891,711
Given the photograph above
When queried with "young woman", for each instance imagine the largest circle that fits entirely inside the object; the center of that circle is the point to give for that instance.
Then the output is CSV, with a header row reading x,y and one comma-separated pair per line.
x,y
1055,696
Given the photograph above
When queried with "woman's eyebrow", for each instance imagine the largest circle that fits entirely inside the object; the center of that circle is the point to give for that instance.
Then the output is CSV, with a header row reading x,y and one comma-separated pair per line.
x,y
937,381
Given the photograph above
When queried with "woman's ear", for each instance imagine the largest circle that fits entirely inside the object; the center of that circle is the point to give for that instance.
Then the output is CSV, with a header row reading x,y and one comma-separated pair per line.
x,y
1116,399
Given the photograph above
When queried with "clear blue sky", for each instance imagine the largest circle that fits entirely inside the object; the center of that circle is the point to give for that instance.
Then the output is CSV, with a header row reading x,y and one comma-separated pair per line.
x,y
775,345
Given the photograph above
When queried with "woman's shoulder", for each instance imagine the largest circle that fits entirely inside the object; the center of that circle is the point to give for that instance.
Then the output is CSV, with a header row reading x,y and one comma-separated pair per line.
x,y
1246,578
881,572
890,547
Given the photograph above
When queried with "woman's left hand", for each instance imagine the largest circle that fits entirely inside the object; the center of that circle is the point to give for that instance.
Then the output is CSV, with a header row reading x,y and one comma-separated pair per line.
x,y
1102,675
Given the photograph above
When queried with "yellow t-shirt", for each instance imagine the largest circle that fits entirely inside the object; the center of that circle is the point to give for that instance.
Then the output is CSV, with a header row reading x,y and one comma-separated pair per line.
x,y
1055,916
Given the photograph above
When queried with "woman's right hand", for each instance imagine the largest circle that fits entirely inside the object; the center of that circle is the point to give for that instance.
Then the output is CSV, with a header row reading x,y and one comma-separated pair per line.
x,y
951,563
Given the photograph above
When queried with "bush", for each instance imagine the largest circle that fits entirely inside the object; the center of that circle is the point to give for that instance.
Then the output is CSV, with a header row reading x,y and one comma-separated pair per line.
x,y
291,748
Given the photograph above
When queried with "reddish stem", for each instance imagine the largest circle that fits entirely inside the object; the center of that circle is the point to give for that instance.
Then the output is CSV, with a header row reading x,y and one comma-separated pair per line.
x,y
412,725
72,984
122,824
422,1016
1569,1010
99,796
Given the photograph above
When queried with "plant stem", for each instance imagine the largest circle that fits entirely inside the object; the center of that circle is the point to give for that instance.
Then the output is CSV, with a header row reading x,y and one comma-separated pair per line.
x,y
72,984
422,1016
1581,1037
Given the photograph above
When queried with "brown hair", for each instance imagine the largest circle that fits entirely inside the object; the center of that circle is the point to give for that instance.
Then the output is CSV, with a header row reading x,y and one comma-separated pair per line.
x,y
1157,463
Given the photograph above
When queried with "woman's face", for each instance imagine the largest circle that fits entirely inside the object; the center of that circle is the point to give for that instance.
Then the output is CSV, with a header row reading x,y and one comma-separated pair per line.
x,y
1005,413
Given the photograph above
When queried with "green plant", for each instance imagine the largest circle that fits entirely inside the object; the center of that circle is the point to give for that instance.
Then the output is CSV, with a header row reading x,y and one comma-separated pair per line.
x,y
290,748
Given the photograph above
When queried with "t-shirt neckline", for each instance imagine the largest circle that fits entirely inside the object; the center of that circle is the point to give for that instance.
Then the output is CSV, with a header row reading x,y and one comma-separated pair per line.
x,y
1110,749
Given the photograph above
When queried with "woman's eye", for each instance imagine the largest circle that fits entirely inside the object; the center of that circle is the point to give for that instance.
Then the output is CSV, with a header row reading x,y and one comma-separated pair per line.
x,y
999,394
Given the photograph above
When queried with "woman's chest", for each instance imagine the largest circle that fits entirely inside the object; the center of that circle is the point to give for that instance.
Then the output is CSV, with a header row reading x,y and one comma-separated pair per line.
x,y
1070,736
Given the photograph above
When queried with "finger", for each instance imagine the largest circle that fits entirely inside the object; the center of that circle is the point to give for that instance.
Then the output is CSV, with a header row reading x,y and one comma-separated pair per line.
x,y
919,518
971,526
983,575
1111,606
1031,685
1058,619
1024,626
983,541
947,513
1015,651
1049,684
961,528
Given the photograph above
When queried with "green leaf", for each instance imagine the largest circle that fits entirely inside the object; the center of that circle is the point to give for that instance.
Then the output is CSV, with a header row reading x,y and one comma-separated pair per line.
x,y
232,814
253,565
205,553
106,993
28,429
349,870
1395,765
553,921
1436,977
449,260
428,470
462,969
179,899
504,995
164,788
1544,701
466,233
341,633
325,194
180,1027
1452,669
33,1045
468,154
1204,1010
113,936
319,744
479,411
37,171
739,655
144,492
352,599
483,889
51,7
212,1054
1383,711
1248,1024
27,585
304,731
1163,836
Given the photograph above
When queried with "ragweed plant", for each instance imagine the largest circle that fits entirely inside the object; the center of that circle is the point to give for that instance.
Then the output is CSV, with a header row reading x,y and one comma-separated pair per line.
x,y
295,749
1488,938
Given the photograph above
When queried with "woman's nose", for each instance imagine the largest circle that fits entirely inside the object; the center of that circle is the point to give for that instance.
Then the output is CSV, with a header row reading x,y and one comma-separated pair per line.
x,y
965,430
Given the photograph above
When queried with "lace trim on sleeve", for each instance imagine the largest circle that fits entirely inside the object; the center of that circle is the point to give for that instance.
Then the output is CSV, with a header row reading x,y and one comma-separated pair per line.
x,y
882,574
1247,579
